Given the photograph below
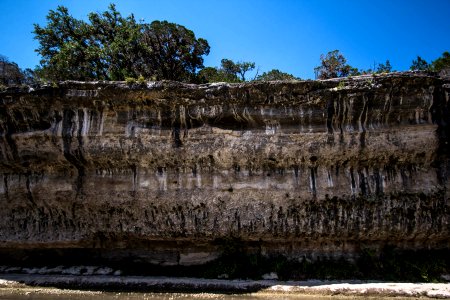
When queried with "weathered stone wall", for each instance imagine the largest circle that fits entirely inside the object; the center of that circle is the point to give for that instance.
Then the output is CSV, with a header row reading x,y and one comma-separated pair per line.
x,y
163,170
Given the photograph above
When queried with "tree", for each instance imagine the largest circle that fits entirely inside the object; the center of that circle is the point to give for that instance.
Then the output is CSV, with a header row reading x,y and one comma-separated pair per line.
x,y
235,69
174,51
10,72
229,71
112,47
211,74
66,47
275,74
333,65
366,71
351,71
441,63
229,67
419,64
384,68
118,39
244,67
29,77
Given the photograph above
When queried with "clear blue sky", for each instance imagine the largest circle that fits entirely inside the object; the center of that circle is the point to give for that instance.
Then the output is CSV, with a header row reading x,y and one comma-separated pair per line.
x,y
288,35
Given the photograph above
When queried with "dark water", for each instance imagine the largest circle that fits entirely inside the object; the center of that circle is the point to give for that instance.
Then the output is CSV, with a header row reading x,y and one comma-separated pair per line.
x,y
21,295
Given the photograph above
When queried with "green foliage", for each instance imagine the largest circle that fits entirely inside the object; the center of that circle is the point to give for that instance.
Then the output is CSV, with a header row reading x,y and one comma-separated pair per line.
x,y
333,65
64,47
109,46
232,69
377,68
384,68
141,79
351,71
437,65
11,74
112,47
275,74
244,67
229,71
341,85
210,74
115,40
441,63
175,52
366,71
130,80
419,64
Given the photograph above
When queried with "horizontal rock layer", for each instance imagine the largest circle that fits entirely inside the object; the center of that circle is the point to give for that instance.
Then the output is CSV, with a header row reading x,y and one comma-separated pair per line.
x,y
164,170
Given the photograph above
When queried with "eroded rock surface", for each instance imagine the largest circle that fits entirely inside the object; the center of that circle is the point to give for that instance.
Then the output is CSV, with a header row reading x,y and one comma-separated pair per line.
x,y
162,171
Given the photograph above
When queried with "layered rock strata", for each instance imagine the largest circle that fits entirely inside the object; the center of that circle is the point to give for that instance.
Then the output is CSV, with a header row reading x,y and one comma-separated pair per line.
x,y
162,171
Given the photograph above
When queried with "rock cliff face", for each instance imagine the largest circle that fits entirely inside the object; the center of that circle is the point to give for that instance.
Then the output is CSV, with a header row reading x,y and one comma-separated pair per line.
x,y
163,171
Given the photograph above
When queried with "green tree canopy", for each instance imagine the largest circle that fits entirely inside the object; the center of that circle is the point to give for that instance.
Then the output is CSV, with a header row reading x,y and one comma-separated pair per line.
x,y
333,65
236,68
211,74
384,68
244,67
174,52
441,63
419,64
112,47
117,43
65,48
275,74
229,71
229,67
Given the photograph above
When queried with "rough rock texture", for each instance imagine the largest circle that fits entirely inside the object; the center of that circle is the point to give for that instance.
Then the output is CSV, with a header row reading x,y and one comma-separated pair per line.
x,y
164,170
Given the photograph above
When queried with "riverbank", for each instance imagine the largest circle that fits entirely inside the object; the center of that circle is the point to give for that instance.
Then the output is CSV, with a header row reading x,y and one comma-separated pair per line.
x,y
40,284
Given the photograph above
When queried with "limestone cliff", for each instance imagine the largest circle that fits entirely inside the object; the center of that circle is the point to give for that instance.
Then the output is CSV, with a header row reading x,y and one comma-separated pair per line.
x,y
163,170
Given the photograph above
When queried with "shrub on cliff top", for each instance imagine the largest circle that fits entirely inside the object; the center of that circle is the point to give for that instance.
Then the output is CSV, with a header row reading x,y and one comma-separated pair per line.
x,y
229,71
11,74
442,62
334,65
275,75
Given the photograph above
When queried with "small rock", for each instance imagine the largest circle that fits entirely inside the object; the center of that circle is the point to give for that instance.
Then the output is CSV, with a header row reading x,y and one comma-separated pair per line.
x,y
223,276
270,276
89,270
31,270
117,273
13,270
72,271
54,270
104,271
445,277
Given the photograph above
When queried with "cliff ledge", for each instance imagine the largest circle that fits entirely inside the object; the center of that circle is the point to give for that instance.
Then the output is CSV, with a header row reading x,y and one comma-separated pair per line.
x,y
168,174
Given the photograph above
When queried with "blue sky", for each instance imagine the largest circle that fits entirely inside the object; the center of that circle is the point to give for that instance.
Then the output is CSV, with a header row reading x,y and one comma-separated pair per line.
x,y
288,35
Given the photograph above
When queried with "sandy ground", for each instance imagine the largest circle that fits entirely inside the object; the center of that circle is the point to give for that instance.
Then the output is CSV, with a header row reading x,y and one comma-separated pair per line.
x,y
310,287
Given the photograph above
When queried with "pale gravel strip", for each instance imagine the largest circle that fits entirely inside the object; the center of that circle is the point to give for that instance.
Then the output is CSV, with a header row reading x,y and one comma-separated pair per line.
x,y
311,287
